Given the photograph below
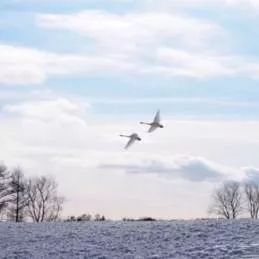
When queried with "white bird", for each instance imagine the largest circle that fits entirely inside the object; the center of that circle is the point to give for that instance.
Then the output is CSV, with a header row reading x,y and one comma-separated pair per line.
x,y
155,123
133,137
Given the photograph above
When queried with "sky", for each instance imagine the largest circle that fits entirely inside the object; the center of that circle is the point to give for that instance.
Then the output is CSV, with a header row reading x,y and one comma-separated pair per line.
x,y
74,75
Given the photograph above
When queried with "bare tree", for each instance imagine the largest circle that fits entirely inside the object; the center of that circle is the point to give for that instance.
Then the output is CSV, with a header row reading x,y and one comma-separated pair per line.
x,y
84,217
44,203
252,199
98,217
227,200
18,200
5,190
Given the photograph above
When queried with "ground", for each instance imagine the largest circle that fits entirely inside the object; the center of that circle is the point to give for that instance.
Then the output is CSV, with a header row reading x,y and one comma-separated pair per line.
x,y
161,239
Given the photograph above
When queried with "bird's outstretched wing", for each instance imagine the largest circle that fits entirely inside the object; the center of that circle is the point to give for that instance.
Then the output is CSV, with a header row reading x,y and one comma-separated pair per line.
x,y
130,142
157,117
152,128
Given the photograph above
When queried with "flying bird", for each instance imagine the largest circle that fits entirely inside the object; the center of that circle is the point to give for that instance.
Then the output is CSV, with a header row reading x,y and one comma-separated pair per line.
x,y
155,123
132,138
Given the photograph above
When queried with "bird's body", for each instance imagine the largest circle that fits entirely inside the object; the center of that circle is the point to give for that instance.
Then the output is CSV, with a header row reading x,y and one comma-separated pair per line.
x,y
155,123
132,138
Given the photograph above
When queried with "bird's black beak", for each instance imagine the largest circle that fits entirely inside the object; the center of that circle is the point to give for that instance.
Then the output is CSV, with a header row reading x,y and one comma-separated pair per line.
x,y
139,139
161,126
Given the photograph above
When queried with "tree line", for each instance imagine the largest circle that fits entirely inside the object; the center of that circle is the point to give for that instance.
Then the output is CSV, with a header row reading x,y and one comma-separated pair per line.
x,y
37,199
233,199
28,198
86,217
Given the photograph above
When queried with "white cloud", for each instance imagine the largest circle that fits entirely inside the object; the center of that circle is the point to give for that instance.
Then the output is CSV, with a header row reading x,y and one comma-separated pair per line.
x,y
141,43
22,66
49,110
199,65
46,128
251,174
195,169
204,64
134,32
156,43
216,102
190,168
140,37
240,4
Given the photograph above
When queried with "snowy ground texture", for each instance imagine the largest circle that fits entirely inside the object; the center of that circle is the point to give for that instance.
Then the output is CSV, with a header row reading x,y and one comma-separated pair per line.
x,y
162,239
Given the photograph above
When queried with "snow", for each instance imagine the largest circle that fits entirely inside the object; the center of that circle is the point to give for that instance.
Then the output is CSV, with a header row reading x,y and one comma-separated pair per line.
x,y
161,239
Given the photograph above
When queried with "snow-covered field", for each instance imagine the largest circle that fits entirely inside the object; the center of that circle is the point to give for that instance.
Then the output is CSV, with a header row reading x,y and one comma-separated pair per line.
x,y
163,239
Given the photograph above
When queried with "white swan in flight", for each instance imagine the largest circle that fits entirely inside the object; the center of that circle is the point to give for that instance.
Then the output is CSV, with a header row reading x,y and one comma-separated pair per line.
x,y
155,123
132,138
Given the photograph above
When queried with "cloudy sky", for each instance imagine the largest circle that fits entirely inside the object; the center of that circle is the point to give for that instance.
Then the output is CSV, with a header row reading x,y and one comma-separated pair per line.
x,y
76,74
